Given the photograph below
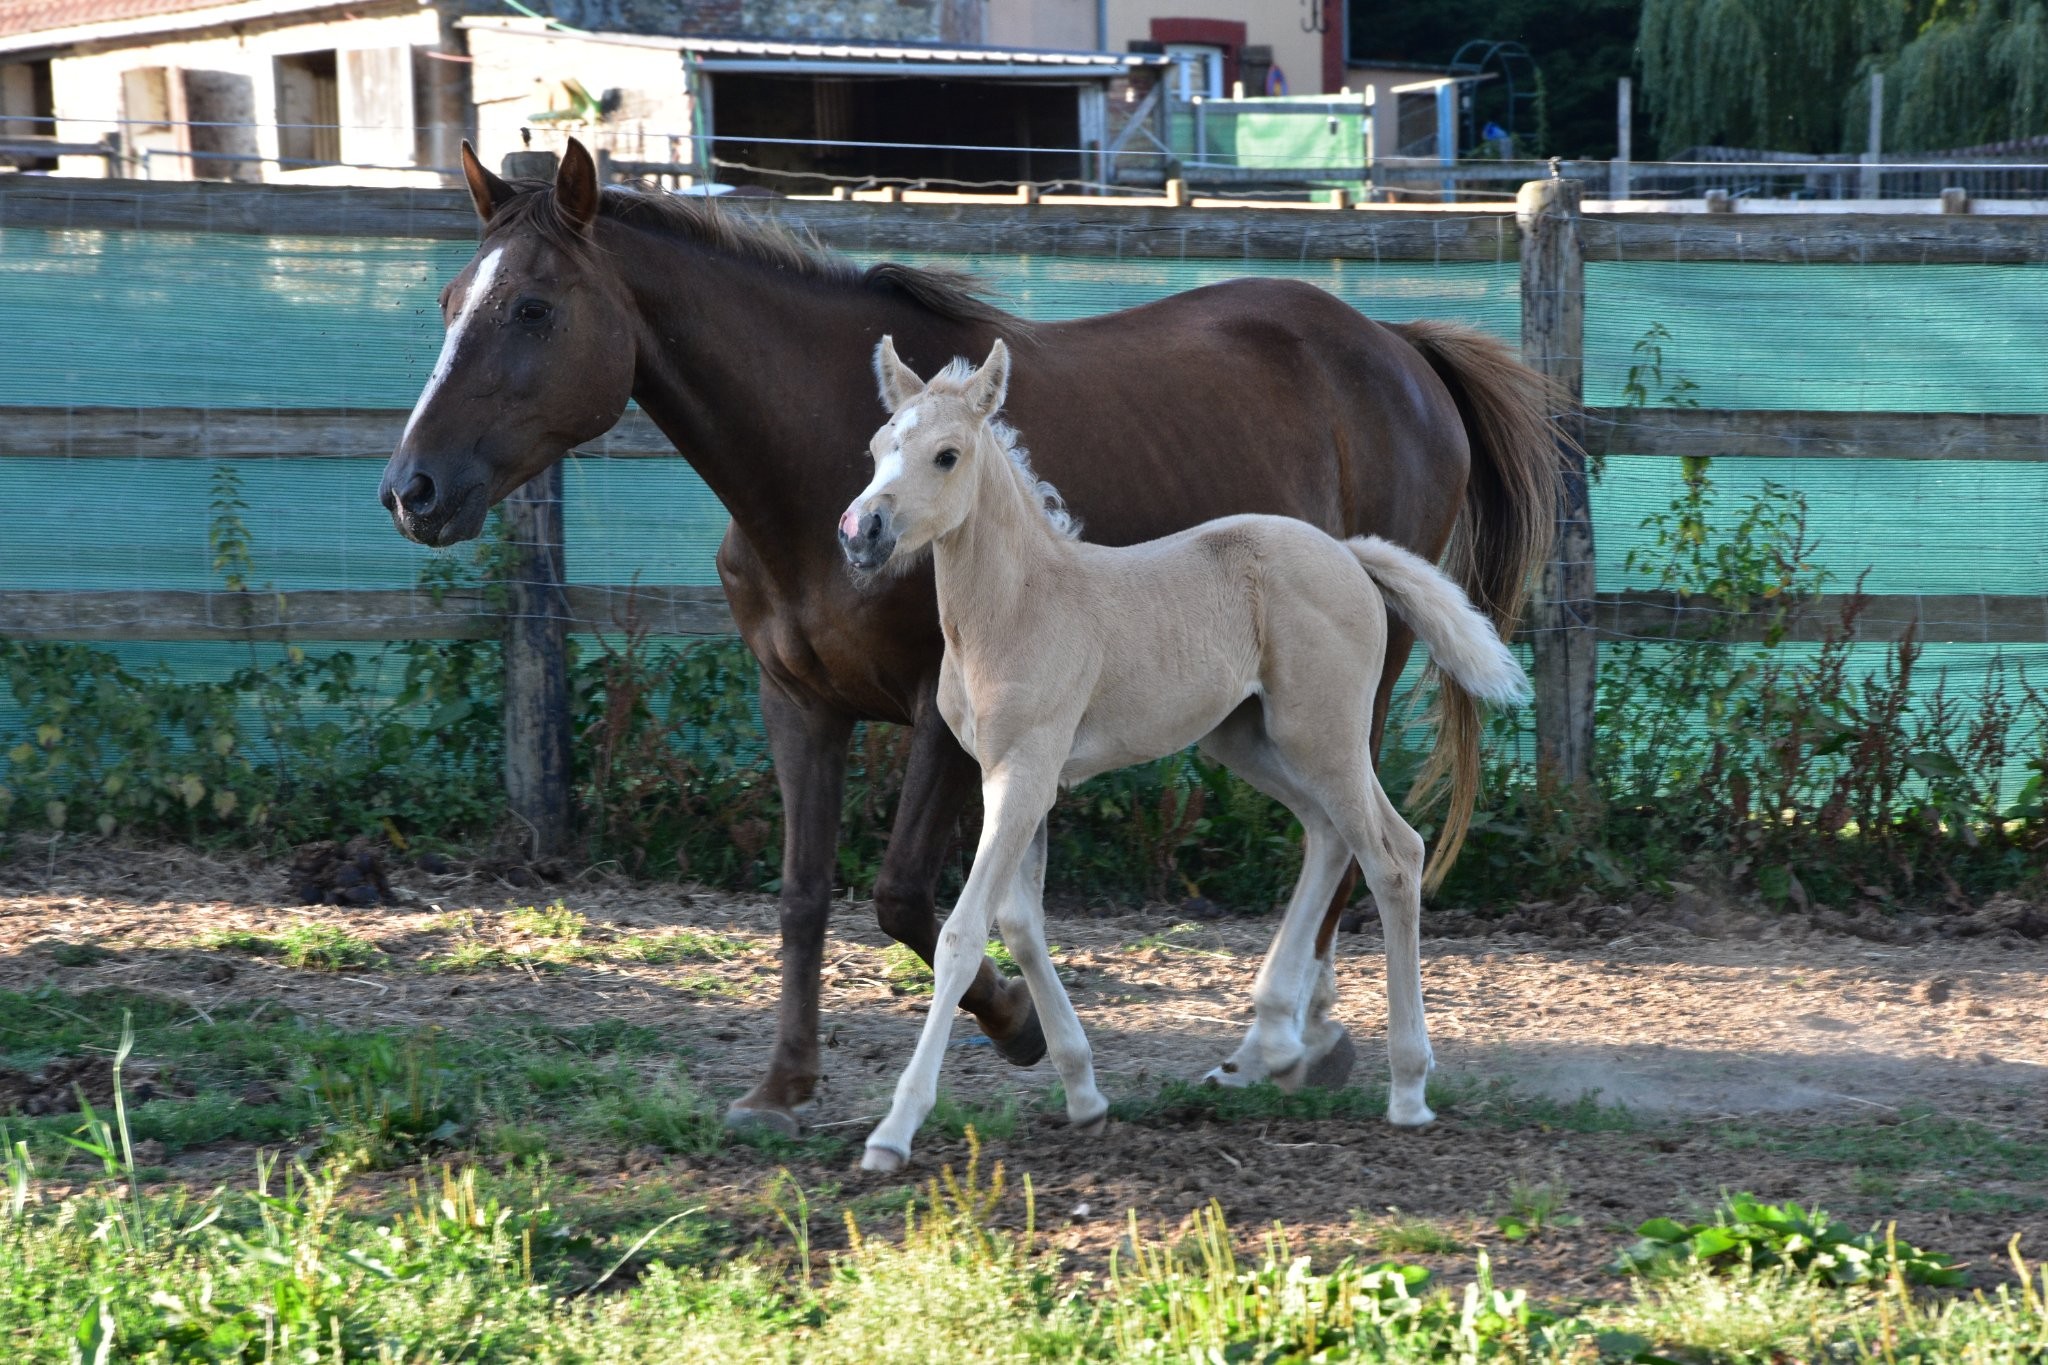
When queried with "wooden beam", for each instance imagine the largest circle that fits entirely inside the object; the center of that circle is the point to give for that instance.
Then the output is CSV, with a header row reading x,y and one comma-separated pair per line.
x,y
1818,238
342,433
370,615
342,615
538,742
1947,618
254,433
1823,435
1104,229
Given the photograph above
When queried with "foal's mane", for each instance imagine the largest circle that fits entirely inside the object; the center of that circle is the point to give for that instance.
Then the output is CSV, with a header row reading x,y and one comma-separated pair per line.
x,y
1043,495
703,222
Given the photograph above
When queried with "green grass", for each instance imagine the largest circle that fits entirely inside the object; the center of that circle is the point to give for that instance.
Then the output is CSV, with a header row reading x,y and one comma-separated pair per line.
x,y
553,921
1916,1139
686,945
906,971
954,1117
317,1259
1395,1233
306,947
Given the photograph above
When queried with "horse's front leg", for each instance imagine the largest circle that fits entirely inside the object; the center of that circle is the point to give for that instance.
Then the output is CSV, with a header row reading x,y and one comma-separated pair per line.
x,y
1022,920
809,748
936,780
1014,801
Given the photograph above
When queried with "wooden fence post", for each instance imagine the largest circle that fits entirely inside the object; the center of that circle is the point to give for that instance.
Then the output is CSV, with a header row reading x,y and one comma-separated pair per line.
x,y
537,741
1553,342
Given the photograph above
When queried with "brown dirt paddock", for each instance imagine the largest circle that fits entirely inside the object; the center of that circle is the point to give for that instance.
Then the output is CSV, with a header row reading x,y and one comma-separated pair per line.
x,y
1766,1055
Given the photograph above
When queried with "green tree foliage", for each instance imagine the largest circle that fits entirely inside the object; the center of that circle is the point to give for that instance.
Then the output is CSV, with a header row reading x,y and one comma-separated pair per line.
x,y
1762,73
1581,47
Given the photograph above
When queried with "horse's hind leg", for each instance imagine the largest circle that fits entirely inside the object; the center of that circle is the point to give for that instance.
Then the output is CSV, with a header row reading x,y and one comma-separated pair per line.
x,y
1022,922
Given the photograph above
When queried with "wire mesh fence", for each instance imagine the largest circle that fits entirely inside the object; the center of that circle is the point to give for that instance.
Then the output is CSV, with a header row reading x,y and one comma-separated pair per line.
x,y
166,393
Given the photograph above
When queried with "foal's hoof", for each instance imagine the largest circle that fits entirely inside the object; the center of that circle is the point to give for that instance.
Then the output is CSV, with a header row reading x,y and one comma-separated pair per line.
x,y
1094,1127
1025,1045
883,1160
745,1118
1228,1076
1331,1070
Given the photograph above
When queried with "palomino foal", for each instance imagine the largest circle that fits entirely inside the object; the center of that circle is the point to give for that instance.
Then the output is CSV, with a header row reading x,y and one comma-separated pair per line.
x,y
1064,660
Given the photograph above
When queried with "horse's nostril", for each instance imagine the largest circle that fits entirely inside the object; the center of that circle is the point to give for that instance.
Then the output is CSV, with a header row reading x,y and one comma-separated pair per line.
x,y
418,494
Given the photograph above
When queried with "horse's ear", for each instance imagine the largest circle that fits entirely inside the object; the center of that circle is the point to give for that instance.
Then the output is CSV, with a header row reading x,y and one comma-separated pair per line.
x,y
991,383
576,186
896,381
487,191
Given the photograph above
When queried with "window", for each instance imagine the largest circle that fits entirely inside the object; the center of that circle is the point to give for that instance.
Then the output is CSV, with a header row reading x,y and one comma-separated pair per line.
x,y
1197,71
308,109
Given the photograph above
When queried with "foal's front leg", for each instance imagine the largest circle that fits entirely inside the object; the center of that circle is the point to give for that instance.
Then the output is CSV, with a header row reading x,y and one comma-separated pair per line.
x,y
1022,920
1014,800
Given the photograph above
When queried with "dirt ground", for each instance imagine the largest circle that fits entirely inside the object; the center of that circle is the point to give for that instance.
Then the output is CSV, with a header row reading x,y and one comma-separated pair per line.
x,y
1753,1054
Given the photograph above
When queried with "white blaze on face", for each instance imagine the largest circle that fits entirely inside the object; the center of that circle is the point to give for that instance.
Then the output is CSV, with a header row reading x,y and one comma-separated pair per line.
x,y
479,286
887,468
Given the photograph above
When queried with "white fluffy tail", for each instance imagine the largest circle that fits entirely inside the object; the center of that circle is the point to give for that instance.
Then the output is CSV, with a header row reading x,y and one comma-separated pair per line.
x,y
1463,643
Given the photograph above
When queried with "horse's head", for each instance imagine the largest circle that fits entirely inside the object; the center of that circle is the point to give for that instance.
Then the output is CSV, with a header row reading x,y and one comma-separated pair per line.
x,y
926,456
538,357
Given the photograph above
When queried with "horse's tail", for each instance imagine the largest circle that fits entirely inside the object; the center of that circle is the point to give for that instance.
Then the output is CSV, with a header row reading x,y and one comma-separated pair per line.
x,y
1502,537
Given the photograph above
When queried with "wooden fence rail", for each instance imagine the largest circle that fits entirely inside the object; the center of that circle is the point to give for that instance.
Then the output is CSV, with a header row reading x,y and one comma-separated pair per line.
x,y
1554,242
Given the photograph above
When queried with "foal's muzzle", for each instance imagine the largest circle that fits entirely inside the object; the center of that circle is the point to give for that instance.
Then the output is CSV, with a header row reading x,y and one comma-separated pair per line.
x,y
867,539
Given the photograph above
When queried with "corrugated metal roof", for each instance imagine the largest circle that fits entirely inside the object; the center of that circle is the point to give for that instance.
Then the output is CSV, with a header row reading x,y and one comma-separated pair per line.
x,y
712,50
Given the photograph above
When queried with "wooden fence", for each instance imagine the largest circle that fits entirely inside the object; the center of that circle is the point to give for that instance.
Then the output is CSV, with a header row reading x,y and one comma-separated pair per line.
x,y
1545,231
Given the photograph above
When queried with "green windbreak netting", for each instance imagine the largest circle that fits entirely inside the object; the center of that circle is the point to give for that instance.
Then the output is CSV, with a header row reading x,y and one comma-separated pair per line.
x,y
131,319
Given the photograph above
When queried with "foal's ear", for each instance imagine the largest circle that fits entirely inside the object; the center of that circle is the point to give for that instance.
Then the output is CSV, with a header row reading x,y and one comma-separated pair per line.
x,y
576,186
487,191
990,384
896,381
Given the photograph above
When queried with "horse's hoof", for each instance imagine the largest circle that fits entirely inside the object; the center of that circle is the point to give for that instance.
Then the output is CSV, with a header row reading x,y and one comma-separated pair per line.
x,y
1026,1044
1094,1127
883,1160
1409,1112
1331,1070
745,1118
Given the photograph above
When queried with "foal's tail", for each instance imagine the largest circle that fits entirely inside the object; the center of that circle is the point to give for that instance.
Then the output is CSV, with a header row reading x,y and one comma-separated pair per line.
x,y
1462,643
1501,539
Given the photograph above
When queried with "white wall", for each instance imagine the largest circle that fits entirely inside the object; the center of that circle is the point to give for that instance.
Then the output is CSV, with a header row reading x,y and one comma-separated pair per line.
x,y
87,89
1059,25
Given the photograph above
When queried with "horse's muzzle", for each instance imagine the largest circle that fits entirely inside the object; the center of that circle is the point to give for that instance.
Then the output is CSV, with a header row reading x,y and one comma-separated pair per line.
x,y
867,541
430,512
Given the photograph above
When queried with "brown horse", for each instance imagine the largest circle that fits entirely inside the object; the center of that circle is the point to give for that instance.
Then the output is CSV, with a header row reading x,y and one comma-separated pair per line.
x,y
751,353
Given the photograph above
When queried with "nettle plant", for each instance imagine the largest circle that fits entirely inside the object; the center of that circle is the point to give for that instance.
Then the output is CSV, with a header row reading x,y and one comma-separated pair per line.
x,y
1805,770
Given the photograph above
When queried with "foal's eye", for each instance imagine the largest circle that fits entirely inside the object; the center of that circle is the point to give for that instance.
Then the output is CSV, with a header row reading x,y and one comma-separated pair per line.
x,y
946,458
532,312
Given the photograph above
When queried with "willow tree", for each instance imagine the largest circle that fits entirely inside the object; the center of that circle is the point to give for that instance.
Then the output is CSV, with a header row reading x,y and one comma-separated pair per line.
x,y
1977,73
1793,75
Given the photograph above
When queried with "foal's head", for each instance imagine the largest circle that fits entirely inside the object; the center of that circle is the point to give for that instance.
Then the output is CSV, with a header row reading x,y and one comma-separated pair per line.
x,y
927,456
538,357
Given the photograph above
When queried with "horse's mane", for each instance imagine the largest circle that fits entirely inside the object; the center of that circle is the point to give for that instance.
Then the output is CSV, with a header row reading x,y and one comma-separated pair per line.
x,y
1047,498
949,294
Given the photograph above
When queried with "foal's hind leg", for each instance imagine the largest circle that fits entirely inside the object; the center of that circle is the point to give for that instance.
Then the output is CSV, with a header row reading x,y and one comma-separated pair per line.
x,y
1390,851
1292,1039
1022,921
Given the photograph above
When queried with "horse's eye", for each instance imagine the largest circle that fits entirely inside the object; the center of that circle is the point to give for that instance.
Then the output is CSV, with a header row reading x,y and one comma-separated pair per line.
x,y
946,458
532,312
